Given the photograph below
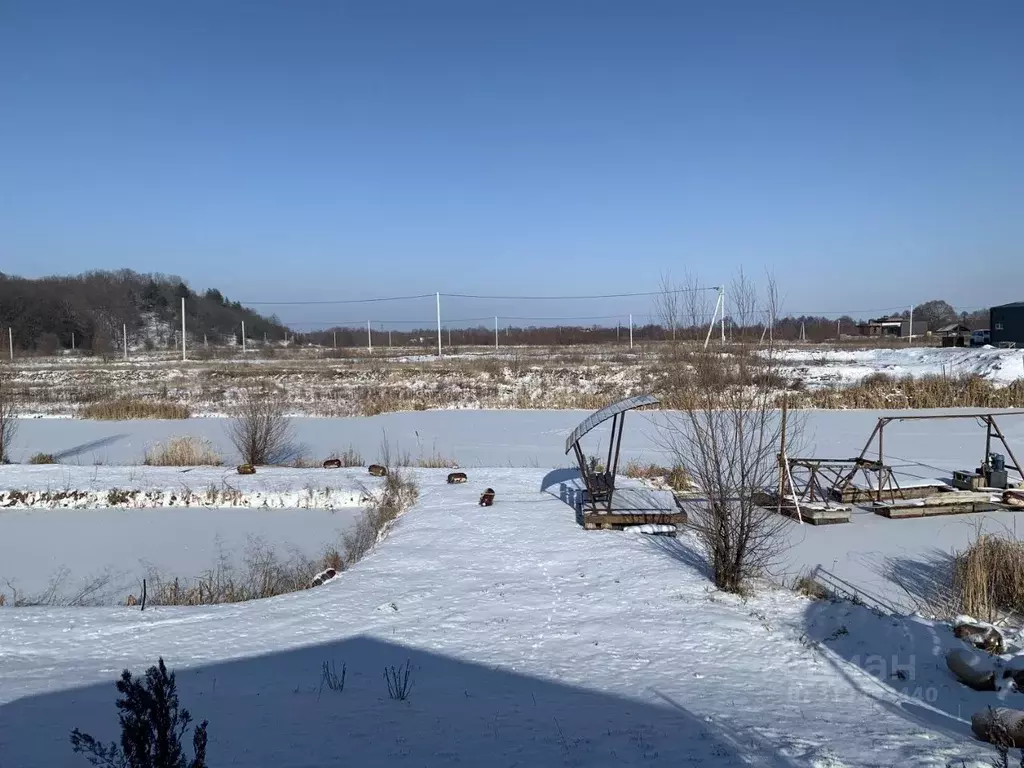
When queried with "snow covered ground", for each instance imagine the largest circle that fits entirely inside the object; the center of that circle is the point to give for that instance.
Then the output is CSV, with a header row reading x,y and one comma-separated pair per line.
x,y
531,642
823,366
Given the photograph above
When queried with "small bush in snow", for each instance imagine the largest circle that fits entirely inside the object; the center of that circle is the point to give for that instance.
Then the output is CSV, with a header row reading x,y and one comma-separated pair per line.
x,y
260,431
43,458
182,452
399,681
152,727
329,677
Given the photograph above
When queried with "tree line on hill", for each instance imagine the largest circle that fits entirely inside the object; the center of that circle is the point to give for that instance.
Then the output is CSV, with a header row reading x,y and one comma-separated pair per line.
x,y
90,311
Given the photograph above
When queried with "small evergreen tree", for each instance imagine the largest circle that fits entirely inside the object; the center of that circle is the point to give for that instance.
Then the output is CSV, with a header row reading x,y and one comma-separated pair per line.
x,y
152,727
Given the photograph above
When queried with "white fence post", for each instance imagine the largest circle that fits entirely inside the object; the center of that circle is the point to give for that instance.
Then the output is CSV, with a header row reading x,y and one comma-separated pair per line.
x,y
438,324
631,331
124,328
183,358
243,338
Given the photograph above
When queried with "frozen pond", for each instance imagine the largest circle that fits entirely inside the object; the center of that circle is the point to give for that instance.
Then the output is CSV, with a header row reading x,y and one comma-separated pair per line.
x,y
493,438
120,546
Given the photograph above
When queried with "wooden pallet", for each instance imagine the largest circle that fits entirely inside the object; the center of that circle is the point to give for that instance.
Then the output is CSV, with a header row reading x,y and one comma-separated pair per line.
x,y
856,495
818,515
949,503
616,521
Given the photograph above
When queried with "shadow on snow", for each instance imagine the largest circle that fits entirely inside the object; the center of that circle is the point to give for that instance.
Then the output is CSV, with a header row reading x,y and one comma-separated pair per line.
x,y
270,711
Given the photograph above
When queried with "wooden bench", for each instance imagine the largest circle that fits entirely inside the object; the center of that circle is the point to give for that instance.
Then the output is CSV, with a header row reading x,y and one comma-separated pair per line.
x,y
601,484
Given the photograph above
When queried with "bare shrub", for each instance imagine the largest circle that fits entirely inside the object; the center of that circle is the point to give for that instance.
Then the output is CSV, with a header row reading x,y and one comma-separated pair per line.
x,y
727,442
89,594
260,431
263,573
43,458
184,451
8,416
399,492
399,681
125,408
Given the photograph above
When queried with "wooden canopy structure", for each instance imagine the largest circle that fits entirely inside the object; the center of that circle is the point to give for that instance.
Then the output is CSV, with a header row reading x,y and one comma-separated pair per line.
x,y
600,486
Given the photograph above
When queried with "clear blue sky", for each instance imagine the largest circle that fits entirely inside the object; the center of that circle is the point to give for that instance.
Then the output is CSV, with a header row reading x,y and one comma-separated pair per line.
x,y
870,153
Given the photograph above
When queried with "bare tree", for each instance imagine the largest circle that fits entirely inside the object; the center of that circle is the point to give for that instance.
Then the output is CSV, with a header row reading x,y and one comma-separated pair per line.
x,y
668,304
260,431
727,435
8,416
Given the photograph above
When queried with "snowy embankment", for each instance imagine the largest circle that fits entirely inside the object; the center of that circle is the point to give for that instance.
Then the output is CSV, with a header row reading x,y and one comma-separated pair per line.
x,y
132,487
530,642
823,366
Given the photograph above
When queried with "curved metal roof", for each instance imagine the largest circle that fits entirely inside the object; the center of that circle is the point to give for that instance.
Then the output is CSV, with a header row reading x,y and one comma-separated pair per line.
x,y
638,401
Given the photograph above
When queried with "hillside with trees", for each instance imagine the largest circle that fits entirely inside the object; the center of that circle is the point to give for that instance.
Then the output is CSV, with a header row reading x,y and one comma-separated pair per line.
x,y
89,311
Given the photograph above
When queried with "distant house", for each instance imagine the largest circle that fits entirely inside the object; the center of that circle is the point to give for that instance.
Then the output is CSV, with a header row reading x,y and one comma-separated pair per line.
x,y
892,326
1006,324
955,335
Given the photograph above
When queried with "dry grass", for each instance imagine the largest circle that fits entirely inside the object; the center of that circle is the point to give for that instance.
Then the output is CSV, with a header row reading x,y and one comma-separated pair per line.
x,y
988,577
810,587
675,477
43,458
639,470
436,461
185,451
879,391
349,458
125,408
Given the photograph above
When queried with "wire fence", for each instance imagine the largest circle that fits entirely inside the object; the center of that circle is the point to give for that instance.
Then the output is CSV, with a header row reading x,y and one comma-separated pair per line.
x,y
434,321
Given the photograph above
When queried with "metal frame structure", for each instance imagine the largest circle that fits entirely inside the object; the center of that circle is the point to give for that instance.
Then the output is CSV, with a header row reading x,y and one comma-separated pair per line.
x,y
600,486
822,480
882,470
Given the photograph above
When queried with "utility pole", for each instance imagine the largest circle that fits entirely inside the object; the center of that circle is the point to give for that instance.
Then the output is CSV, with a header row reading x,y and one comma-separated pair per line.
x,y
495,332
10,340
449,338
183,328
722,294
369,337
631,331
124,328
335,339
389,338
438,324
910,330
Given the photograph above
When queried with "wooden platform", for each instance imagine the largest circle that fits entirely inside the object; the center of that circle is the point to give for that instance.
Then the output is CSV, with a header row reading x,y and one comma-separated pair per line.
x,y
634,506
948,503
858,495
818,514
618,521
813,512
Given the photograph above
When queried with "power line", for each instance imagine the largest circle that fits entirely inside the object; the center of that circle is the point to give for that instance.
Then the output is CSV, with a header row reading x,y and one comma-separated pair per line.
x,y
571,298
339,301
